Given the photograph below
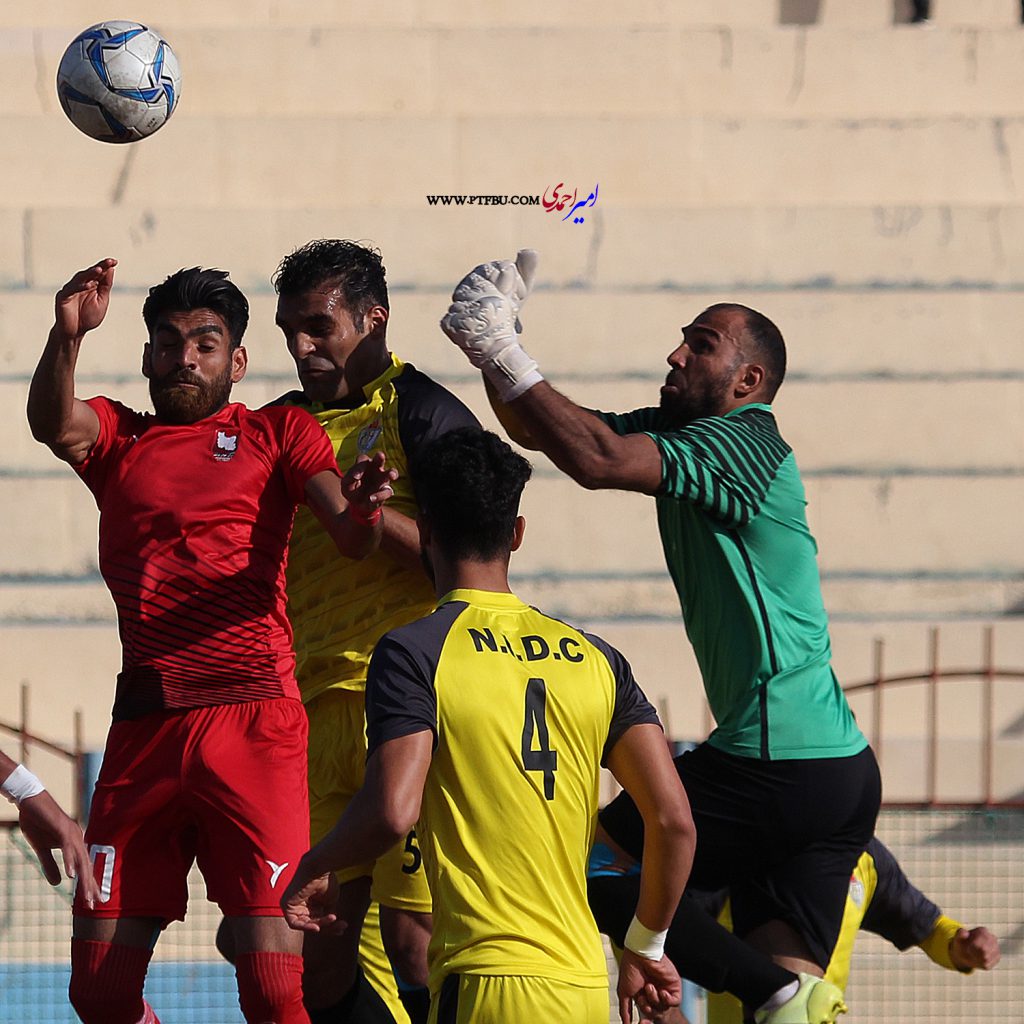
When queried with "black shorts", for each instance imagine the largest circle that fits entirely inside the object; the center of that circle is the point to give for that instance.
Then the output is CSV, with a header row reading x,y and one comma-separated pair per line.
x,y
783,836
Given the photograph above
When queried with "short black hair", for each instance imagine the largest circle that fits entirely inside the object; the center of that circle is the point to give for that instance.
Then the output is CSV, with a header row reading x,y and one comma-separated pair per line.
x,y
356,269
766,341
196,288
468,483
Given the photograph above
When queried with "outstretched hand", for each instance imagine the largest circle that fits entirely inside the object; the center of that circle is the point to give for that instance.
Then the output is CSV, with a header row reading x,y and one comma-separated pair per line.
x,y
47,828
975,948
653,985
82,303
367,483
310,903
483,320
483,317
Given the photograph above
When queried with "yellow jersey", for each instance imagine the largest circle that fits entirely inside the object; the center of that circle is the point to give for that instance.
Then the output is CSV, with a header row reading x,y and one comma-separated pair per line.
x,y
339,608
523,709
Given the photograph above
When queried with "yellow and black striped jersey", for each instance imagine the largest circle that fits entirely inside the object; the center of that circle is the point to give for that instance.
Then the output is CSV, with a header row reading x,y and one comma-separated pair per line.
x,y
339,608
523,709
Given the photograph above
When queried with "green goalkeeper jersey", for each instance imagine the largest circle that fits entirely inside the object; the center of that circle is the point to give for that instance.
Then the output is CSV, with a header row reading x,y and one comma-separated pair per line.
x,y
731,511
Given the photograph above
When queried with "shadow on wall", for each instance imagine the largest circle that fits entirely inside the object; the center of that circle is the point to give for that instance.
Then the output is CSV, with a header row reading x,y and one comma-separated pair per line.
x,y
808,12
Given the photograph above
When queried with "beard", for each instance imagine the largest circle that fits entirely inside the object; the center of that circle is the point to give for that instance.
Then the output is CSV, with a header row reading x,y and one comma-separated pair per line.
x,y
699,398
685,407
180,405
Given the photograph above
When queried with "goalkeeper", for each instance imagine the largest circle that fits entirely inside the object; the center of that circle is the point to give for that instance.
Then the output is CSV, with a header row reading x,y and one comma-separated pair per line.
x,y
785,792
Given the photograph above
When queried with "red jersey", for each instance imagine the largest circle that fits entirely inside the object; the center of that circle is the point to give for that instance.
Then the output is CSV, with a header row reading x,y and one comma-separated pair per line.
x,y
194,529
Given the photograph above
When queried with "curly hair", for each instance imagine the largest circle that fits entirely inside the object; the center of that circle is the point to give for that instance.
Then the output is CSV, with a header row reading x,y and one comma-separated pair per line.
x,y
468,483
196,288
356,269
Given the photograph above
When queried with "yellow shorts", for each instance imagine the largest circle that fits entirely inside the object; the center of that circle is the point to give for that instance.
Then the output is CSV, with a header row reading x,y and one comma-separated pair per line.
x,y
377,967
501,999
337,765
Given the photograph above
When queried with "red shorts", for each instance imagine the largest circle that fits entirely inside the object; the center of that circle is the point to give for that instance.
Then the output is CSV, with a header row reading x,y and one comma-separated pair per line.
x,y
223,786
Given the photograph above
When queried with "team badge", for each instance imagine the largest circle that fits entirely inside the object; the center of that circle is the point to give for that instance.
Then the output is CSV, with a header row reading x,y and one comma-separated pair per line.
x,y
856,891
368,437
225,446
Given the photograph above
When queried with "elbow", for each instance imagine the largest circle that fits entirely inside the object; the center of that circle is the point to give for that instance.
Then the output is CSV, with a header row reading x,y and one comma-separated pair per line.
x,y
594,473
42,427
398,816
676,826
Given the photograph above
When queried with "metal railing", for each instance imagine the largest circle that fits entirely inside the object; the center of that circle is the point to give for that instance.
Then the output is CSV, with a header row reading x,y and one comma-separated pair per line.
x,y
75,755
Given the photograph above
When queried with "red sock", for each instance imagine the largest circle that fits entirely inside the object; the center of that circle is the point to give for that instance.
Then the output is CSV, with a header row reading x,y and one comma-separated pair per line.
x,y
270,988
106,983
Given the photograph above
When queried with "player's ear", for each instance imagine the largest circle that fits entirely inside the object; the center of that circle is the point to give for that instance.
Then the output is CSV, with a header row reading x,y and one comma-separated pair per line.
x,y
239,363
375,319
750,379
147,360
518,532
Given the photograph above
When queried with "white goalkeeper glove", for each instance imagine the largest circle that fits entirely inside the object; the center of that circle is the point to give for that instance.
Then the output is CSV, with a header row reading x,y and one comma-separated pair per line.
x,y
483,320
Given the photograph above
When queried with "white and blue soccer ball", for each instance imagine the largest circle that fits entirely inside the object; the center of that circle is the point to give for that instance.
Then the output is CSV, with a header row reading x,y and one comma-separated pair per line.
x,y
118,81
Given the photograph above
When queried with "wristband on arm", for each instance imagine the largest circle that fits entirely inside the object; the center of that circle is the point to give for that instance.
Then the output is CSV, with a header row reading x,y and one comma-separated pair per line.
x,y
20,785
644,942
358,515
512,372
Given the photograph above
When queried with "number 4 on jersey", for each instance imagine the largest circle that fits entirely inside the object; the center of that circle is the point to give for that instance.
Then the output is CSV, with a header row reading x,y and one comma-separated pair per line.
x,y
543,759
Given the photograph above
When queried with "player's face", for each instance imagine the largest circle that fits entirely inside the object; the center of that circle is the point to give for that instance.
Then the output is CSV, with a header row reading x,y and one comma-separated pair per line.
x,y
704,368
191,365
326,340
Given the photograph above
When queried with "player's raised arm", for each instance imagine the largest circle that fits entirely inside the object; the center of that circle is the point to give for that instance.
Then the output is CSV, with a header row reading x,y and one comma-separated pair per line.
x,y
483,321
66,425
351,509
640,761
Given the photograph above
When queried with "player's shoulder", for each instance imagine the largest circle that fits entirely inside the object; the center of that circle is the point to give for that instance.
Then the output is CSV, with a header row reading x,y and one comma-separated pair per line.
x,y
280,427
753,419
111,407
429,632
418,391
413,651
585,639
277,415
750,424
289,398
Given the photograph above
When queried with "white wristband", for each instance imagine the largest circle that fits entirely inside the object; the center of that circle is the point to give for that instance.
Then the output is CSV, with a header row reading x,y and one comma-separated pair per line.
x,y
512,372
642,941
20,785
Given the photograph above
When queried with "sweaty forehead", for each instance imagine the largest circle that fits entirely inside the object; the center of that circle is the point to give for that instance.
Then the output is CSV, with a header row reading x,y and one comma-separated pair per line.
x,y
323,300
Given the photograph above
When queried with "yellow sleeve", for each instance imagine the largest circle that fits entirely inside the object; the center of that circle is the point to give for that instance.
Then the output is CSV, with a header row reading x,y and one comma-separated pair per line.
x,y
936,945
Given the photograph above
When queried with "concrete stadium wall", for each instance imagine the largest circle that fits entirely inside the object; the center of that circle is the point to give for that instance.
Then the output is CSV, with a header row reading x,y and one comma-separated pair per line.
x,y
858,179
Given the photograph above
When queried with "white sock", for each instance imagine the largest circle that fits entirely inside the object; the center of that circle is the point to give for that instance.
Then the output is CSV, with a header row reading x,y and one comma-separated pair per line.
x,y
781,997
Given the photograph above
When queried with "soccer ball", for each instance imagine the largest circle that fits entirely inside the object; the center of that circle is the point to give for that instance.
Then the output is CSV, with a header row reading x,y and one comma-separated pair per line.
x,y
118,81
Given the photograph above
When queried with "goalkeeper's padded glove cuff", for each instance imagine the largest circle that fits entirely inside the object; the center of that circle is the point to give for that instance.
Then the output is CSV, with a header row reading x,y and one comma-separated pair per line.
x,y
511,371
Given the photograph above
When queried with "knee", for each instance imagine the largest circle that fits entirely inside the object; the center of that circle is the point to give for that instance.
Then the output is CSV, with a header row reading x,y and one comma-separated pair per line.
x,y
270,987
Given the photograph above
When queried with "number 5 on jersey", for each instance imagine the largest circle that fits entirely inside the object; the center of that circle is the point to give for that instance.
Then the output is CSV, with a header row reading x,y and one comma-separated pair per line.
x,y
543,759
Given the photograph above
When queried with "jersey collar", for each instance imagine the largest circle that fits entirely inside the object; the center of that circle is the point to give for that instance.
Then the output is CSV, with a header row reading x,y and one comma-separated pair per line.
x,y
487,598
745,408
391,371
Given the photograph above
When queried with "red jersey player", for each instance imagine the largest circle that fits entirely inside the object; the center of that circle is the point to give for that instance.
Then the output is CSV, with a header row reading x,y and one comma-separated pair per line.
x,y
206,756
